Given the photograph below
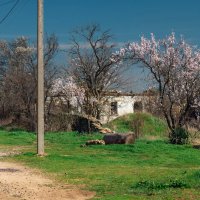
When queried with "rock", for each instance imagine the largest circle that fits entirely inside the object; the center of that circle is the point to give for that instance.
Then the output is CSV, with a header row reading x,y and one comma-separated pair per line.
x,y
119,138
95,142
105,130
85,124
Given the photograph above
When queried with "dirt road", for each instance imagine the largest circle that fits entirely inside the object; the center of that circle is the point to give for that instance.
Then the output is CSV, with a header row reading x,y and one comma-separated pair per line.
x,y
21,183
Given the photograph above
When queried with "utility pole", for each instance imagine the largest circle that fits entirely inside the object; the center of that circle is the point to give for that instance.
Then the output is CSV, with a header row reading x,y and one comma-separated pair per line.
x,y
40,84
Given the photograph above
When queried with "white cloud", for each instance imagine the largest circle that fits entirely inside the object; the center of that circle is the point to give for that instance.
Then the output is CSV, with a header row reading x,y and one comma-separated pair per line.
x,y
65,46
14,36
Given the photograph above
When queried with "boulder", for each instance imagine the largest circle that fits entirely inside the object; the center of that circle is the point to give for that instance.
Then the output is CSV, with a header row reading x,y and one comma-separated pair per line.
x,y
85,124
105,130
119,138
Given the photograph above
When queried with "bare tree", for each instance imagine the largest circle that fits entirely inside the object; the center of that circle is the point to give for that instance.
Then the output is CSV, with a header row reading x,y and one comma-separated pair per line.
x,y
93,66
18,67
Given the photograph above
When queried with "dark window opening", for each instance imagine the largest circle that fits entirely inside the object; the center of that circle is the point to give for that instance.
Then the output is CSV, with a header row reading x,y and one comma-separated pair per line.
x,y
113,106
138,106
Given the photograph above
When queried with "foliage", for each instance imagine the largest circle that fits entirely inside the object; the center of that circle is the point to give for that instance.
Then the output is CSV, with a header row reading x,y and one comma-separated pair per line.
x,y
65,89
180,136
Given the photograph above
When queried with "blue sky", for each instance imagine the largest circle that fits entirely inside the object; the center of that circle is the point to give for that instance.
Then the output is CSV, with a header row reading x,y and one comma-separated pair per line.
x,y
127,19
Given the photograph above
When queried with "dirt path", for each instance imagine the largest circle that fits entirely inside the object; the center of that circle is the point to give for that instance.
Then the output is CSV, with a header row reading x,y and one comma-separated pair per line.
x,y
21,183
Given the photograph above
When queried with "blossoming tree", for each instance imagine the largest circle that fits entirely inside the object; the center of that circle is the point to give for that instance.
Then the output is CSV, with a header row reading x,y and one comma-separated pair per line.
x,y
66,90
175,68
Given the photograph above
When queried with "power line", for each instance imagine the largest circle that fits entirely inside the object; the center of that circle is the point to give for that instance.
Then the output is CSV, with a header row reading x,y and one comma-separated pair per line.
x,y
9,12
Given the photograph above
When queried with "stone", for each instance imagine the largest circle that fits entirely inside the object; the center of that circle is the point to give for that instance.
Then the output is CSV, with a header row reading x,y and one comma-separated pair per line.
x,y
119,138
105,130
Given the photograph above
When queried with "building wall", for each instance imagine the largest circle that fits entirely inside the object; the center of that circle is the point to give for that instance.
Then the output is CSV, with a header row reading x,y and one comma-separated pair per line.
x,y
125,105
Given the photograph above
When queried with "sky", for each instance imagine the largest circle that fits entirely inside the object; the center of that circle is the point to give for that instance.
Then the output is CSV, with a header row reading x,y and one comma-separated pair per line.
x,y
127,20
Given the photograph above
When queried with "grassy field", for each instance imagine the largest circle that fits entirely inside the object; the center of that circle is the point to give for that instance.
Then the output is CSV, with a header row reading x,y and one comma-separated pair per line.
x,y
144,170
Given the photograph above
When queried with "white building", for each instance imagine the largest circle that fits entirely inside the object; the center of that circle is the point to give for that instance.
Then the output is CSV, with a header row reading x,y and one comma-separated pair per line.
x,y
119,104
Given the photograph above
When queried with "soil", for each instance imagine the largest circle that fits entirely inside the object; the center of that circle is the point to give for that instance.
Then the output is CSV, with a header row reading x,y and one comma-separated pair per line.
x,y
18,182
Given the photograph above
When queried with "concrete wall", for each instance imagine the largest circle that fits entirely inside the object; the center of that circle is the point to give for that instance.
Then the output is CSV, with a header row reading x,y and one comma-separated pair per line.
x,y
125,105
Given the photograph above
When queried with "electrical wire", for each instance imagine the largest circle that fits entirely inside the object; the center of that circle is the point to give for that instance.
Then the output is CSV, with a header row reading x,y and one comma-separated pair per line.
x,y
9,12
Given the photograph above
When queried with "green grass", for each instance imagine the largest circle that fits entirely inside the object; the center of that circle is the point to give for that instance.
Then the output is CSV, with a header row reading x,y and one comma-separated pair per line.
x,y
144,170
149,125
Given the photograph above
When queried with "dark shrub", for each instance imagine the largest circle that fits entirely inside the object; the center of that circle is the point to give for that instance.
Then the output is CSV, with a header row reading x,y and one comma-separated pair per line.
x,y
179,136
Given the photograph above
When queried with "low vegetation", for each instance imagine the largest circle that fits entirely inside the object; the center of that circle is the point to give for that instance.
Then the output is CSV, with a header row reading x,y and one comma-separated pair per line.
x,y
148,169
143,123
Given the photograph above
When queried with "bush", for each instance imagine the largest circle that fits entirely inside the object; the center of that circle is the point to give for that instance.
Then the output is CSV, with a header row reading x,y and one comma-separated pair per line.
x,y
152,185
60,121
179,136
